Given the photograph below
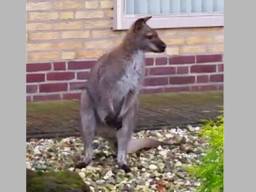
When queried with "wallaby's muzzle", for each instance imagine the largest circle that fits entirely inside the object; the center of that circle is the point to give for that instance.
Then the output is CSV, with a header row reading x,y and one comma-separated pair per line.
x,y
161,46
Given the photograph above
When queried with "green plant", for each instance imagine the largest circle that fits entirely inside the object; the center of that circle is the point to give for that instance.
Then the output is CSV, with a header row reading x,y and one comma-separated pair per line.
x,y
210,170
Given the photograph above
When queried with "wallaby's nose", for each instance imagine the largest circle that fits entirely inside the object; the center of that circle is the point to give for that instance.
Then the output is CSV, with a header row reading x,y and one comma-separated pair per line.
x,y
162,47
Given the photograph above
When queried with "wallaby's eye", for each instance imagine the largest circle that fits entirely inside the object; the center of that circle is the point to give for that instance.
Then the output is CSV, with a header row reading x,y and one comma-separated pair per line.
x,y
149,36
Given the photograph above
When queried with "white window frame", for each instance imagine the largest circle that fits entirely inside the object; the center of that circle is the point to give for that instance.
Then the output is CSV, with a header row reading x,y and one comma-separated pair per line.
x,y
122,21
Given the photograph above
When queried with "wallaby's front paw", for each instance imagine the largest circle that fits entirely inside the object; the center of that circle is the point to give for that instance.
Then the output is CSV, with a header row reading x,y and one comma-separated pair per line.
x,y
125,167
118,123
109,119
113,121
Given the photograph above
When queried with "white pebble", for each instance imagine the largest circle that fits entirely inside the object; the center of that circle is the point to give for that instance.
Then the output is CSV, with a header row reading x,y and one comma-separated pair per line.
x,y
178,164
159,147
163,153
152,167
37,150
71,169
190,128
168,135
101,181
108,175
81,174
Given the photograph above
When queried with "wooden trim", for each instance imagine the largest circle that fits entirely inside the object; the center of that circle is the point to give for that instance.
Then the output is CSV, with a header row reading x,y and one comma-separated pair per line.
x,y
122,22
118,14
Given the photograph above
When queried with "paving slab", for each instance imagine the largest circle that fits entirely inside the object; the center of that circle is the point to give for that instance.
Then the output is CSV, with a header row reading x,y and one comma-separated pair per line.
x,y
61,118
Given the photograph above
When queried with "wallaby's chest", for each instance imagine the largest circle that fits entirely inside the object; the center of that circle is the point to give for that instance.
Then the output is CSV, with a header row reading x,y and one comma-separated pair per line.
x,y
132,77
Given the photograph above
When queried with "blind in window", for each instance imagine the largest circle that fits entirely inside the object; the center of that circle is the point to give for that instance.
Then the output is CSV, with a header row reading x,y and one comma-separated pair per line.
x,y
173,7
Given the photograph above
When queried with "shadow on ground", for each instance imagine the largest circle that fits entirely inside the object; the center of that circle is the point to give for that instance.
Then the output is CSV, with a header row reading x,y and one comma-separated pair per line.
x,y
61,118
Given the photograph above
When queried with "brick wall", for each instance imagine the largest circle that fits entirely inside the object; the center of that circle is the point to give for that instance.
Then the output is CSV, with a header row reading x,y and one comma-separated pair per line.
x,y
60,80
65,37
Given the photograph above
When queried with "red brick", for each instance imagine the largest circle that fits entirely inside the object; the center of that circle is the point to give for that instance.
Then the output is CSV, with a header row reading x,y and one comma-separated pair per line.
x,y
161,61
220,68
176,89
202,79
182,80
149,61
71,96
31,88
83,75
80,64
162,71
147,71
76,85
204,87
46,97
156,81
59,66
217,78
53,87
32,67
208,58
152,90
35,77
60,76
203,68
182,70
182,60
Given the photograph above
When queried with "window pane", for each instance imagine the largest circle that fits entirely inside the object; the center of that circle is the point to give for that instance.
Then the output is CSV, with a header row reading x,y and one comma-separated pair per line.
x,y
141,7
189,6
129,6
208,6
197,6
185,6
165,6
175,7
154,7
219,6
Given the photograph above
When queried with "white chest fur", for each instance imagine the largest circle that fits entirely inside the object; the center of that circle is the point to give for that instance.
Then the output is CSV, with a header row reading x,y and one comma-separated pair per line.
x,y
132,77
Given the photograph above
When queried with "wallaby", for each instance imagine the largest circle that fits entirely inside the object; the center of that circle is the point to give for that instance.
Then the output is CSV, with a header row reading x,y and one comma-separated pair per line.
x,y
110,100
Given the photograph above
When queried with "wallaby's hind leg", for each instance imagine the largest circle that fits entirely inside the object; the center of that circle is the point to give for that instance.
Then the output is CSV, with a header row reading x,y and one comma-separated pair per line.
x,y
88,126
123,137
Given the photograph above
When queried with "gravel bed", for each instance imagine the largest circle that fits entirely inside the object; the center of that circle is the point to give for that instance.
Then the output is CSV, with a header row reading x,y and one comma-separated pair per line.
x,y
161,169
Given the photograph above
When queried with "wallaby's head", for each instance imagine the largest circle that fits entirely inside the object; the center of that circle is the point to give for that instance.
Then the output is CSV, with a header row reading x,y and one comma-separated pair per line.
x,y
145,37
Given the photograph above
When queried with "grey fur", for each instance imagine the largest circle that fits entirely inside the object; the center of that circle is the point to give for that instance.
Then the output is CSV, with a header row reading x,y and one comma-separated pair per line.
x,y
111,98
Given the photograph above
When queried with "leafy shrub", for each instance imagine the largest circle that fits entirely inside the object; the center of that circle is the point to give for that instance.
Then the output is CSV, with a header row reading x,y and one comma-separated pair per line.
x,y
210,171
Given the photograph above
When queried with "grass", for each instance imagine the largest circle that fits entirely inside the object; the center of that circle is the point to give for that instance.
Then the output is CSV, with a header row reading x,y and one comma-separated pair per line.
x,y
210,171
54,116
63,116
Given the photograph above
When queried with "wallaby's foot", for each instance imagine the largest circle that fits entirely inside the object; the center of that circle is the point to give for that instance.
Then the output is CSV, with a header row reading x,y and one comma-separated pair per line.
x,y
125,167
81,164
113,156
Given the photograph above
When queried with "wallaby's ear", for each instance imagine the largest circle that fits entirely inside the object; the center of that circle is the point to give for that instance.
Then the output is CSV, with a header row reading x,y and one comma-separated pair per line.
x,y
147,18
138,24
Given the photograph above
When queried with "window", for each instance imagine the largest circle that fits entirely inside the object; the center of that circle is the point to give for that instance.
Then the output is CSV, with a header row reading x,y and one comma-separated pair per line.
x,y
169,13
